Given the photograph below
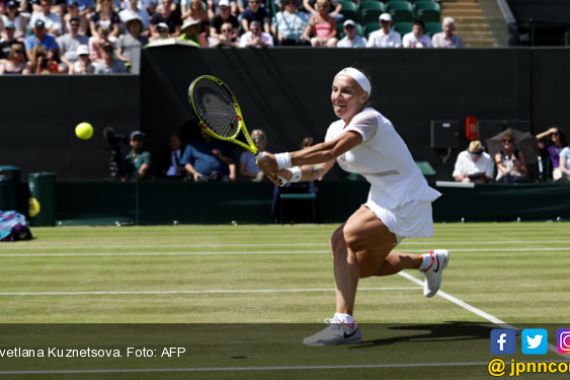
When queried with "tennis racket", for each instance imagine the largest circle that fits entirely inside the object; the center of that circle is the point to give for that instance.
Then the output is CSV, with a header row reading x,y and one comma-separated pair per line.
x,y
219,112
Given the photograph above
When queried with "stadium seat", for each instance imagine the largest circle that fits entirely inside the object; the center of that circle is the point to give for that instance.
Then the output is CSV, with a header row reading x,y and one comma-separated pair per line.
x,y
349,10
427,11
400,11
370,11
433,28
370,27
403,27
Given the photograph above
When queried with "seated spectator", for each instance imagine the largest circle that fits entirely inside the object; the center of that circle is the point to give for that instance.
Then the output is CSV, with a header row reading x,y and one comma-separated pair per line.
x,y
169,14
70,42
19,20
564,165
351,40
255,12
225,16
385,37
416,38
38,62
190,32
207,160
321,30
40,37
214,8
447,38
82,10
97,42
194,9
8,40
109,64
161,32
52,20
511,164
133,9
107,17
83,64
16,62
131,43
247,166
553,141
289,25
333,8
256,38
138,161
473,165
175,168
228,37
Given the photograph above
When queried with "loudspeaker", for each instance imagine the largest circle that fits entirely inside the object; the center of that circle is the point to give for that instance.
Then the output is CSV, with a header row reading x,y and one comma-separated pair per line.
x,y
445,134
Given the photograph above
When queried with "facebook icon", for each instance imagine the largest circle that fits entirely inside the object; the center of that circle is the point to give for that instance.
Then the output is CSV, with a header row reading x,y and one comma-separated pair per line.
x,y
503,341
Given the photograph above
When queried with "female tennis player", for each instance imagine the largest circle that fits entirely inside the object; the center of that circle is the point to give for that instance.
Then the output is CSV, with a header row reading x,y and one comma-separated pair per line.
x,y
398,205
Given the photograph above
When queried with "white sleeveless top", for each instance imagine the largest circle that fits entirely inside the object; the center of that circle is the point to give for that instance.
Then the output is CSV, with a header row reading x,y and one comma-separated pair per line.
x,y
384,160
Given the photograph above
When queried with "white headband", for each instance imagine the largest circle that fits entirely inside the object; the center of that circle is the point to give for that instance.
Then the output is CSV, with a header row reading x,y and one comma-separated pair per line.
x,y
358,76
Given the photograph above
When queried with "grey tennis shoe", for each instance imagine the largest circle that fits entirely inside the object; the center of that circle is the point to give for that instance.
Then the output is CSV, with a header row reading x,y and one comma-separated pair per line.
x,y
434,274
335,333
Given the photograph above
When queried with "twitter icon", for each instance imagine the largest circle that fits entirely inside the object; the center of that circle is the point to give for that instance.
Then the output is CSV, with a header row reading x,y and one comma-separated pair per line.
x,y
534,341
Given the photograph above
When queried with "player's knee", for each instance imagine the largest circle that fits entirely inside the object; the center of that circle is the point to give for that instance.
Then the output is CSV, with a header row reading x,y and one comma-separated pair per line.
x,y
351,237
337,242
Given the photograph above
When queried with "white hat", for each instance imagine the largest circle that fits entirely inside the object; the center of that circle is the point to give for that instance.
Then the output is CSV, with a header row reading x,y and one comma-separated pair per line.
x,y
224,3
82,50
131,16
190,22
385,17
348,22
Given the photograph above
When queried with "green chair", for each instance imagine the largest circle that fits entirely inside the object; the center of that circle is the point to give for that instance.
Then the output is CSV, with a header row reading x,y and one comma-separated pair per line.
x,y
427,11
370,11
433,28
403,27
370,27
400,11
349,10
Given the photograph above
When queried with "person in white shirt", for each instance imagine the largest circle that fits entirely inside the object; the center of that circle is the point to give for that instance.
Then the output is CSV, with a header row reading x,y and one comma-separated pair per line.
x,y
51,19
399,202
351,40
416,38
473,165
255,37
447,38
385,37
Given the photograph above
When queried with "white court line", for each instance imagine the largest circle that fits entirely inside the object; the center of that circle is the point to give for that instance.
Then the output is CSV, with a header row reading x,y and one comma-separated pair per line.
x,y
24,245
476,311
195,292
230,253
243,369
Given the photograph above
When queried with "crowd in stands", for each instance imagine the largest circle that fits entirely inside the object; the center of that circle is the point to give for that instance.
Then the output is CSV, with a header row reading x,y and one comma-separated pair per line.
x,y
103,36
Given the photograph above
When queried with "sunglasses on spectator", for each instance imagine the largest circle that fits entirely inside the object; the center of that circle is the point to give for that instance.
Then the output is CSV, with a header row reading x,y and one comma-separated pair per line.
x,y
507,141
349,27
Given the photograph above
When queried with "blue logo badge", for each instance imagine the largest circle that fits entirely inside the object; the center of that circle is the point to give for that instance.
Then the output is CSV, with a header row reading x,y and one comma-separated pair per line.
x,y
534,341
503,341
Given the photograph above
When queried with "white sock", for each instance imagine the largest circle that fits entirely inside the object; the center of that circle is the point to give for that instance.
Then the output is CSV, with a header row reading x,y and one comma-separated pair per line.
x,y
427,262
343,318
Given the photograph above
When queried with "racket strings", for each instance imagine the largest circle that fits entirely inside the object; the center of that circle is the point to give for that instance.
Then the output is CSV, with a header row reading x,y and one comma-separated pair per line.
x,y
215,108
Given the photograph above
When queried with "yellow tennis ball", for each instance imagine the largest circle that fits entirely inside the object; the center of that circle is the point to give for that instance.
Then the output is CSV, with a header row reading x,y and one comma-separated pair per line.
x,y
84,131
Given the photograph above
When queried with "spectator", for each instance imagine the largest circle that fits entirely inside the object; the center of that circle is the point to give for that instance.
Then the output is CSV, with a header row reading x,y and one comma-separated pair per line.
x,y
307,142
247,165
169,14
138,161
96,42
289,25
131,43
385,37
190,33
175,168
564,165
9,40
473,165
206,160
213,4
40,37
13,14
255,12
351,40
74,11
511,164
416,38
83,64
447,38
52,20
228,38
255,38
38,62
108,64
194,9
161,32
321,30
133,9
106,17
70,42
553,141
225,16
16,62
336,7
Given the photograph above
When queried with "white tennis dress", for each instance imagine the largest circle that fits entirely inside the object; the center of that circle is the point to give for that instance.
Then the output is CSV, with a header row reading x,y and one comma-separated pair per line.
x,y
399,194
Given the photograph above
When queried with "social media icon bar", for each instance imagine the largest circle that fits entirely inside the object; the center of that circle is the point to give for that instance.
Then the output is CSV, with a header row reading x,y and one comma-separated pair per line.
x,y
504,341
563,341
534,341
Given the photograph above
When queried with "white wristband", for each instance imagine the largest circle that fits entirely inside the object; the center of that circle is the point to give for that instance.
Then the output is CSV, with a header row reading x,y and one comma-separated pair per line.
x,y
296,174
283,160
